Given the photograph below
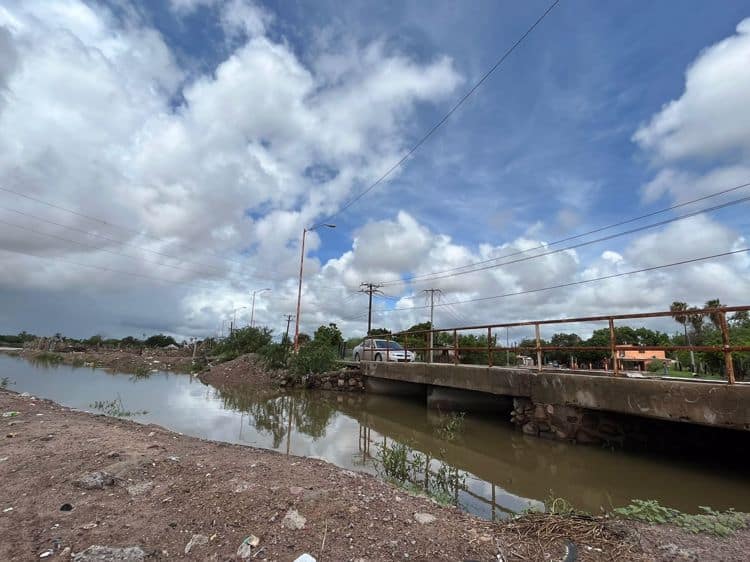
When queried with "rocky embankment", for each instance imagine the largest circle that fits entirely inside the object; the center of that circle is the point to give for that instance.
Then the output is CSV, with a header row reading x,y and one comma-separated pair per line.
x,y
249,372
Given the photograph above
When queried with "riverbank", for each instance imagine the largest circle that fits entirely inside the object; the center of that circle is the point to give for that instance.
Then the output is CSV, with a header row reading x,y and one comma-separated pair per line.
x,y
121,361
165,489
244,372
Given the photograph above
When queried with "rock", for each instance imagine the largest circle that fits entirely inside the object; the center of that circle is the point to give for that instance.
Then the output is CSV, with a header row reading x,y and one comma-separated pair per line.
x,y
679,553
304,558
424,518
195,540
95,480
539,412
294,520
529,428
550,409
139,488
96,553
296,490
245,550
327,385
47,553
352,382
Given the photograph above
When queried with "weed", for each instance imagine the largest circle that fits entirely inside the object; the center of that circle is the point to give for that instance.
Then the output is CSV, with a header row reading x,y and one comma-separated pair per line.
x,y
115,408
713,522
5,382
413,471
452,426
141,372
78,362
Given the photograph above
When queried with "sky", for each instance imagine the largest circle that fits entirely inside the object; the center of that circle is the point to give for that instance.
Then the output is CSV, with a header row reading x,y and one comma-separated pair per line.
x,y
159,161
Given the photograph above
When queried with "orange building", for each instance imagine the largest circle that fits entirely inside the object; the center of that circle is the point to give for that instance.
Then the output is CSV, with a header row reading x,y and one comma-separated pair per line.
x,y
637,358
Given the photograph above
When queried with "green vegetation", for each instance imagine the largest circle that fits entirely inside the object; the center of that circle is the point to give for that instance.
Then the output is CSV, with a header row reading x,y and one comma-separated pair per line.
x,y
712,522
48,358
9,340
5,382
115,408
241,341
415,472
452,426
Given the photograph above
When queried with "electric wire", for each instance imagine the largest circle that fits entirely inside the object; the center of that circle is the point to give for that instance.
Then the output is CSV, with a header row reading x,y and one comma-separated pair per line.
x,y
575,283
577,236
101,221
580,244
443,120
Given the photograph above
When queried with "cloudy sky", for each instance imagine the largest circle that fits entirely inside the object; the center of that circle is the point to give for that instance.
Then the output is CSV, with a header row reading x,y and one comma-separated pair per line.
x,y
159,160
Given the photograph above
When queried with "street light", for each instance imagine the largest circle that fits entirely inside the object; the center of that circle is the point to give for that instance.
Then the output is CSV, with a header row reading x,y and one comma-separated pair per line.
x,y
234,319
299,291
252,312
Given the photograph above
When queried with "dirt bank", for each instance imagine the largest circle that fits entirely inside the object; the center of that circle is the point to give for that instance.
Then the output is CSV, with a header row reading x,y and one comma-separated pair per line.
x,y
120,361
246,371
159,489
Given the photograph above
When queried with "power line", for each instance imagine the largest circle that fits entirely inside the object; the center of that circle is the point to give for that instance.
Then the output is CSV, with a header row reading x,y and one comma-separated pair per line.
x,y
108,269
445,117
93,247
574,237
101,221
436,276
107,238
581,282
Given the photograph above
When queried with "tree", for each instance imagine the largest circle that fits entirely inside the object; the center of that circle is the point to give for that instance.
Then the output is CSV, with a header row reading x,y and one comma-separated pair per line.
x,y
380,332
160,340
678,310
715,317
696,320
329,335
740,319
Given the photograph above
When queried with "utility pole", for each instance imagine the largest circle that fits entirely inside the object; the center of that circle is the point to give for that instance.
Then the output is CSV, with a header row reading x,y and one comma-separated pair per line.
x,y
288,321
431,292
370,289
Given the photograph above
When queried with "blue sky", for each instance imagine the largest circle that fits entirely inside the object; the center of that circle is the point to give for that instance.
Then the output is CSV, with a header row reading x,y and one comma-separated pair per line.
x,y
551,130
226,126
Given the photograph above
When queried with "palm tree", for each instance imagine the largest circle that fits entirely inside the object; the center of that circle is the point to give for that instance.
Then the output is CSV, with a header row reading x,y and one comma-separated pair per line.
x,y
715,317
678,310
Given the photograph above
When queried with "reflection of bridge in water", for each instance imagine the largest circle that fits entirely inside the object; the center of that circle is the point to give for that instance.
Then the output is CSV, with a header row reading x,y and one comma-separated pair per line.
x,y
519,470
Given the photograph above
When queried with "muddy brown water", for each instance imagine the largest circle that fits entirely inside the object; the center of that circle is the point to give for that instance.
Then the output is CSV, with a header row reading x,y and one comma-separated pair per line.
x,y
503,470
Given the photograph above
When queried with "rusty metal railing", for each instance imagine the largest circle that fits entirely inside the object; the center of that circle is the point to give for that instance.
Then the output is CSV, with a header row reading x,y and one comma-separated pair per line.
x,y
717,315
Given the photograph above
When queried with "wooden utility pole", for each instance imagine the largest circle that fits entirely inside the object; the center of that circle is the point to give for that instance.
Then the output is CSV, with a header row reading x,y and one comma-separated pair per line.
x,y
370,289
288,321
431,292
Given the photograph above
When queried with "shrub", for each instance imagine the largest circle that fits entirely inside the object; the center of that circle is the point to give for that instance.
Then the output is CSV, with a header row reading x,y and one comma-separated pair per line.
x,y
314,357
275,355
655,367
243,340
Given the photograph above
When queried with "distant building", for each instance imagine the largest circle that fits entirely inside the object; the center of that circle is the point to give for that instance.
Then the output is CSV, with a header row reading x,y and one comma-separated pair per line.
x,y
637,358
524,361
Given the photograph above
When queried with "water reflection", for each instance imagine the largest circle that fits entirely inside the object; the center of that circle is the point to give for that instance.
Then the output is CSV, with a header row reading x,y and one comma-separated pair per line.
x,y
504,471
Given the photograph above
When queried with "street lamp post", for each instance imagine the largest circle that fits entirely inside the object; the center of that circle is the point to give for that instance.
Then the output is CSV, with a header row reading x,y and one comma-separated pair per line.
x,y
299,290
252,310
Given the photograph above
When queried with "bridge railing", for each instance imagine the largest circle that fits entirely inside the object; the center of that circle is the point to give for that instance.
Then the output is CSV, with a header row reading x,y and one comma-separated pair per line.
x,y
453,352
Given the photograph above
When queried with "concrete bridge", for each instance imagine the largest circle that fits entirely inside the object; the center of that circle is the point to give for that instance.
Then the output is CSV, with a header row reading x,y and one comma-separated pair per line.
x,y
569,405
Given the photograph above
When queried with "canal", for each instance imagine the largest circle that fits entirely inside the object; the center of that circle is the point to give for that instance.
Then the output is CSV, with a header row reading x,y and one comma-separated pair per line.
x,y
500,470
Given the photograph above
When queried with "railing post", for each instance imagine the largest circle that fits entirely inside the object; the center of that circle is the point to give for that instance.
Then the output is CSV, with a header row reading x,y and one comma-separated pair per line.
x,y
489,346
455,347
613,346
728,365
538,348
406,350
387,349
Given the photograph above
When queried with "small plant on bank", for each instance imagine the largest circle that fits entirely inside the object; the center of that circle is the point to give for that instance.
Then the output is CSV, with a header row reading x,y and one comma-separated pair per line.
x,y
275,355
115,408
411,470
313,358
452,426
141,372
713,522
5,382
